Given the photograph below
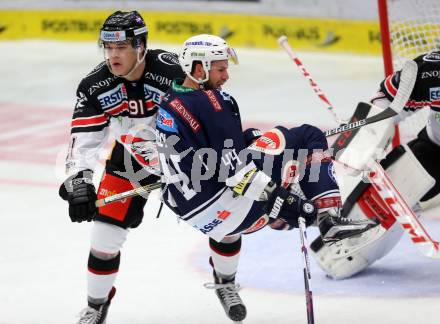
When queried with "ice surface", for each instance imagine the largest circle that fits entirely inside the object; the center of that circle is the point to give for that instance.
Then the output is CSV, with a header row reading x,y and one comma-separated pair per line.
x,y
164,263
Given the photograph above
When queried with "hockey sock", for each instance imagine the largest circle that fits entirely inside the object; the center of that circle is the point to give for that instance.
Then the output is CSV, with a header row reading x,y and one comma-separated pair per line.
x,y
101,276
225,256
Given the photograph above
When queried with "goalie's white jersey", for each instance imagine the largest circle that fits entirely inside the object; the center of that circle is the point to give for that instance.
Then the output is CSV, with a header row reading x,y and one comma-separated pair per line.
x,y
425,95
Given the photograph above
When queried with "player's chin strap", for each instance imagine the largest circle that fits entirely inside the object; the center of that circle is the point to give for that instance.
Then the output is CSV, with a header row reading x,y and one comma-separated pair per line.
x,y
378,177
139,61
200,82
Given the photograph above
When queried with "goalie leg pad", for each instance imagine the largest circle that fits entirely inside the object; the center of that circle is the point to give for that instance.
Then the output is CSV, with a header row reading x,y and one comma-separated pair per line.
x,y
410,177
427,153
349,256
405,171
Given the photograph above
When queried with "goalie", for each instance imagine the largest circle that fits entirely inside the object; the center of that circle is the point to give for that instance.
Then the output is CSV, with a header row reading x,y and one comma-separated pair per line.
x,y
412,167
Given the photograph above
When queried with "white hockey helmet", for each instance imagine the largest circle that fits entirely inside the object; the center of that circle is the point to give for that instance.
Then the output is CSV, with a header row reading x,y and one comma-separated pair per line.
x,y
205,49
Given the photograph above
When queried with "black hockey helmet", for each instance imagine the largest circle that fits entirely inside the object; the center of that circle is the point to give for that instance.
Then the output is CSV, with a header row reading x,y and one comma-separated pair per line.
x,y
122,26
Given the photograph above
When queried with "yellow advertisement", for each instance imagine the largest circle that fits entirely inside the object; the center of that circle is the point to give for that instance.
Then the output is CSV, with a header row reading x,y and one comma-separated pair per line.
x,y
174,27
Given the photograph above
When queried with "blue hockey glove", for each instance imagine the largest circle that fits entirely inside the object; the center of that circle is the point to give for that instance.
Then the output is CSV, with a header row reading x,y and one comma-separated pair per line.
x,y
250,135
284,209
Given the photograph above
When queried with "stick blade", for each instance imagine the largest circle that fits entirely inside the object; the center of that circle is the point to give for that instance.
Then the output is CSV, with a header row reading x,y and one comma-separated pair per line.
x,y
407,80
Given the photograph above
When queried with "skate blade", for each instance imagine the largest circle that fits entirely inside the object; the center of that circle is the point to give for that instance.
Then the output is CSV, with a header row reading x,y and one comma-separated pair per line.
x,y
342,234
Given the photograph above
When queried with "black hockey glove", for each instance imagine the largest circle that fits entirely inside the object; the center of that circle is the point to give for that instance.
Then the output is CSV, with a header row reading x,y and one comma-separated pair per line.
x,y
250,135
79,192
284,209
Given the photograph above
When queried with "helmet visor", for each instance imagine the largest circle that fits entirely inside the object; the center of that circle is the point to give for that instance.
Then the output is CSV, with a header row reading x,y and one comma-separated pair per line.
x,y
232,55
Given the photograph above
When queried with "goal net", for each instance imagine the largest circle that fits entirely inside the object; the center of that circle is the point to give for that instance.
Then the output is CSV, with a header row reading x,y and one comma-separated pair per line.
x,y
408,28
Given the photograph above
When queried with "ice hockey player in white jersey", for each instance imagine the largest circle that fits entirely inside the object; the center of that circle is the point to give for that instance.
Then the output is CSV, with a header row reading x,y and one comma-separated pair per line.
x,y
412,167
218,183
119,95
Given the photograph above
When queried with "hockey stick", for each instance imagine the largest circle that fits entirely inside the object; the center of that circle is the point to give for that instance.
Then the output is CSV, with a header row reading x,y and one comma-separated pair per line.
x,y
145,191
380,180
387,113
406,85
403,213
285,44
301,220
306,270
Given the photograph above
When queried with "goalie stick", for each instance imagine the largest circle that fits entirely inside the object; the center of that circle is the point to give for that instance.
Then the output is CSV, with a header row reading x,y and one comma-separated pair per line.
x,y
285,44
387,113
405,87
380,180
408,79
403,213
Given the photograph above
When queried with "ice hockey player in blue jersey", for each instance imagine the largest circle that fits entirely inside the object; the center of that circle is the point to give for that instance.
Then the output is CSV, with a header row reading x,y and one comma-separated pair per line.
x,y
225,182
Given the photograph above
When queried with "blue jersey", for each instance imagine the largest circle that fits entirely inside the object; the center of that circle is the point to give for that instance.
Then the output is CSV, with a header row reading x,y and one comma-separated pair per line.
x,y
211,178
201,147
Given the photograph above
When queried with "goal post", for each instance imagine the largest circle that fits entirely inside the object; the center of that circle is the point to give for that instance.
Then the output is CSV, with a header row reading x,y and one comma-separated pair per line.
x,y
385,37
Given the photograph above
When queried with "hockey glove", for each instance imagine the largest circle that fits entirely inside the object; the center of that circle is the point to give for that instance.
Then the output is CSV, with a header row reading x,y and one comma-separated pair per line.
x,y
250,135
284,209
79,192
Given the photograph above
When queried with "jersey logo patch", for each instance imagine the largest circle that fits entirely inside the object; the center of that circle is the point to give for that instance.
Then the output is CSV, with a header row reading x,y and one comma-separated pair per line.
x,y
152,93
178,106
434,93
331,172
223,214
290,173
166,122
80,101
168,58
213,99
271,142
113,97
432,57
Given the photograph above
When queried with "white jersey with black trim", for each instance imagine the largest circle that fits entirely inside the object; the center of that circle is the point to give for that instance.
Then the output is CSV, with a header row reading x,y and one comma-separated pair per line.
x,y
106,103
425,94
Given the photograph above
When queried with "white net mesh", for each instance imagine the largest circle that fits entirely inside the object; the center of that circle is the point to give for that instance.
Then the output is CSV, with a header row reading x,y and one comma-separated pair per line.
x,y
414,29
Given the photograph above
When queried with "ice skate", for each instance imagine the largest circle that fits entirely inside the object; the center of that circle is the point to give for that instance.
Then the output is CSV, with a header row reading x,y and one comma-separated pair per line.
x,y
334,227
96,314
227,293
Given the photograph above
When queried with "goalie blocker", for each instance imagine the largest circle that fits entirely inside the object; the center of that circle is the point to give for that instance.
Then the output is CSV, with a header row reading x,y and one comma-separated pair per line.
x,y
346,257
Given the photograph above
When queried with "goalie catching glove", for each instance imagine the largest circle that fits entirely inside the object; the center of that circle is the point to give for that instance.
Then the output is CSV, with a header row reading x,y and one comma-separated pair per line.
x,y
284,208
80,193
